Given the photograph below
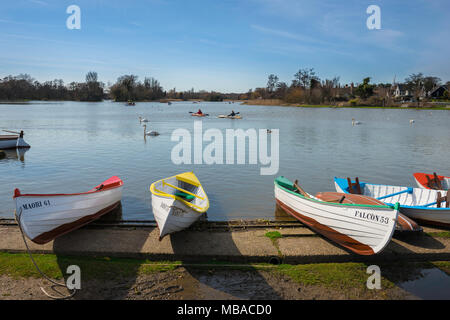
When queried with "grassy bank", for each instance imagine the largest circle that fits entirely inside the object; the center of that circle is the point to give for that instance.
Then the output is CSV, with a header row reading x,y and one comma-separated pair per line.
x,y
330,275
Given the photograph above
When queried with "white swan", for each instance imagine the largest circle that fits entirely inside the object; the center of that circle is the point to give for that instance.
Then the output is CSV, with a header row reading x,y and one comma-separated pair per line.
x,y
142,119
355,123
150,133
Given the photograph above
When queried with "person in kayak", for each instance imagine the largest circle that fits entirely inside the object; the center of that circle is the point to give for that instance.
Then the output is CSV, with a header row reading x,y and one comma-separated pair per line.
x,y
199,111
232,114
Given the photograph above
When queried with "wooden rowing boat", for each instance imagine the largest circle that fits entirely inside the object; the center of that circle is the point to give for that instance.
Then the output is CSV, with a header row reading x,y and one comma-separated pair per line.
x,y
44,217
422,205
13,141
365,229
404,224
178,202
432,181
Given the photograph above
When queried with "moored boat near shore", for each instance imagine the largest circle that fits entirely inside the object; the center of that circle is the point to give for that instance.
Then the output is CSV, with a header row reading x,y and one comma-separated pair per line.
x,y
432,181
44,217
13,141
365,229
422,205
178,202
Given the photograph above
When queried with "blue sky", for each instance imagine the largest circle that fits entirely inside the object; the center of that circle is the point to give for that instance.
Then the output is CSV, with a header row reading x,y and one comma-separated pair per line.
x,y
224,45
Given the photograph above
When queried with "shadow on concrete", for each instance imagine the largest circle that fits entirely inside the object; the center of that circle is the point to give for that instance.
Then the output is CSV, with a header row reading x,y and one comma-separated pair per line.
x,y
215,282
419,239
114,283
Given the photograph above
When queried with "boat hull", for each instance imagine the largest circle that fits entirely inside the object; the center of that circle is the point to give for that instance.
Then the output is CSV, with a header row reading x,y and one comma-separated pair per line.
x,y
178,202
347,225
404,224
412,205
172,215
46,217
11,142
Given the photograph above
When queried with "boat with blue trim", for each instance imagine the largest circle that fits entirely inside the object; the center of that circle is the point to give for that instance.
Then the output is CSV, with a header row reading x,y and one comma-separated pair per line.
x,y
422,205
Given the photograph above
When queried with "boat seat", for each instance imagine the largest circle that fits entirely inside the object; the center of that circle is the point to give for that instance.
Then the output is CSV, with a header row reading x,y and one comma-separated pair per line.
x,y
349,198
184,195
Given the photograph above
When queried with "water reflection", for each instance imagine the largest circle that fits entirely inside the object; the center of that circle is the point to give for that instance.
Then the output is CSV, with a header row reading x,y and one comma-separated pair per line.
x,y
432,284
13,155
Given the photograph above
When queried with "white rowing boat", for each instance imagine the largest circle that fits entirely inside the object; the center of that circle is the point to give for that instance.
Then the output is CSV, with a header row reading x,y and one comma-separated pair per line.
x,y
43,217
178,202
362,228
422,205
404,224
13,141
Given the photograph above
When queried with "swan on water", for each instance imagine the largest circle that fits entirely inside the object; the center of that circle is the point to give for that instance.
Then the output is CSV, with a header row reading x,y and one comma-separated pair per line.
x,y
355,122
150,133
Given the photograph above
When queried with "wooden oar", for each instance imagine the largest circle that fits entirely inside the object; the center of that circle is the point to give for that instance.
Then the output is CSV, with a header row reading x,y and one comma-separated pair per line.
x,y
12,131
300,190
409,190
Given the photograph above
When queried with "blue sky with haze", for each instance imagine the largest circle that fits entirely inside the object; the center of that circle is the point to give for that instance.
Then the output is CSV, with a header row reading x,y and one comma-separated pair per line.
x,y
224,45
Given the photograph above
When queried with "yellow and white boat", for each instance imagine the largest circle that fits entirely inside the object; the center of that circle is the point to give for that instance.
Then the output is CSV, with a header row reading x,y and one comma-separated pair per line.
x,y
178,202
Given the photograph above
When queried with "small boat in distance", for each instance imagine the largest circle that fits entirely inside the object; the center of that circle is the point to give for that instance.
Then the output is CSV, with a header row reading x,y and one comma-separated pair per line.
x,y
365,229
131,103
229,117
432,181
9,141
199,113
422,205
178,202
44,217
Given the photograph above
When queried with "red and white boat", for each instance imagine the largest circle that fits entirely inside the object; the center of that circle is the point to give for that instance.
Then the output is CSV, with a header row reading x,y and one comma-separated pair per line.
x,y
10,141
432,181
44,217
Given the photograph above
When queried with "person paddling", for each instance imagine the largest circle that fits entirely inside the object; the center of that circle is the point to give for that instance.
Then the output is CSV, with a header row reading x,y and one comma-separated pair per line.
x,y
232,114
199,111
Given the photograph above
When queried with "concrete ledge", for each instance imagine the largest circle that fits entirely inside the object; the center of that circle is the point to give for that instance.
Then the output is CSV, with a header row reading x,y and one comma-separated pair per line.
x,y
298,245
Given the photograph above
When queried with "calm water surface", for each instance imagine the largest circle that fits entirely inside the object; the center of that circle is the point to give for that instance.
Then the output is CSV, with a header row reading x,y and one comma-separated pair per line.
x,y
75,146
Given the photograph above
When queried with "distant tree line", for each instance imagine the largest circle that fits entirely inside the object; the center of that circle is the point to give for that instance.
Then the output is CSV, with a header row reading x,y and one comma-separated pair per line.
x,y
305,88
308,88
24,87
128,88
201,95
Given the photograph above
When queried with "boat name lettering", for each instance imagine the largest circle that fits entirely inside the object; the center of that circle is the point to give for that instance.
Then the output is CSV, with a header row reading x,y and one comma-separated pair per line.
x,y
177,211
37,204
371,216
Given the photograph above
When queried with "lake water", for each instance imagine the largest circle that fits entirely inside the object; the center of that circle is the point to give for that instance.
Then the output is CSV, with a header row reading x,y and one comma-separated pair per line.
x,y
75,146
